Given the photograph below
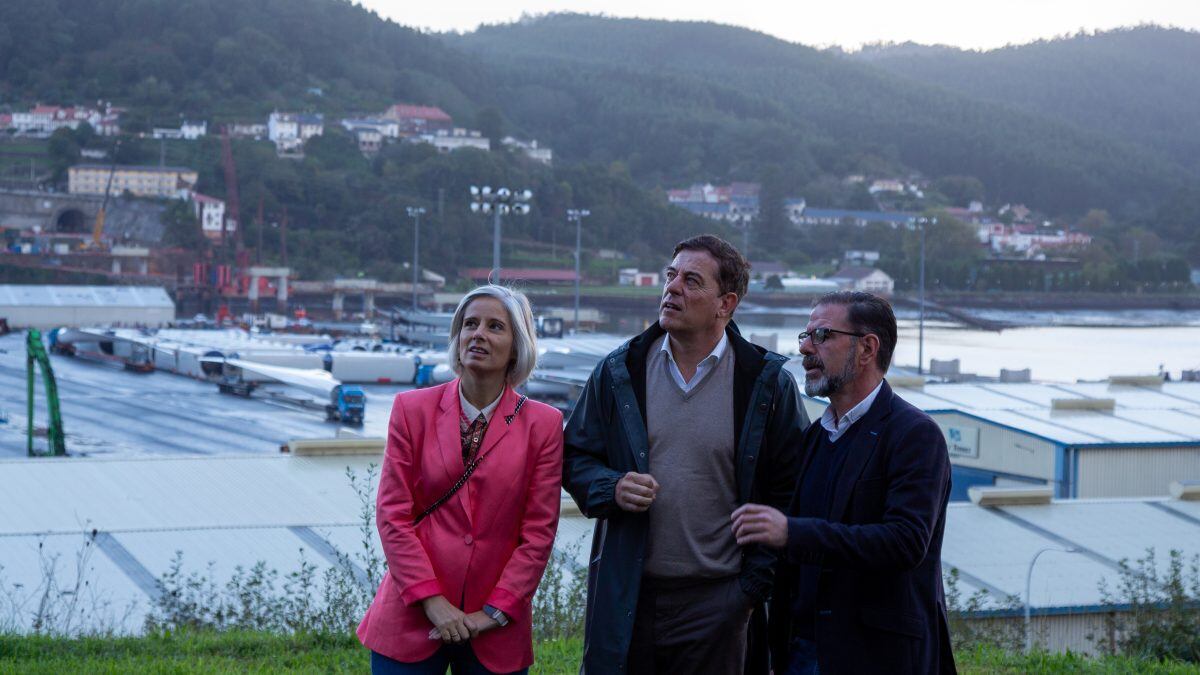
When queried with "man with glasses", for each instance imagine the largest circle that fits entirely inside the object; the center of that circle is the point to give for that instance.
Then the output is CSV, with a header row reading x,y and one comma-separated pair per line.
x,y
859,586
673,431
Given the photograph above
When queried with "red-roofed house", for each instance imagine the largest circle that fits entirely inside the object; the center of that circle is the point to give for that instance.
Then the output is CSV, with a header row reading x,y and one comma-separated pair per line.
x,y
527,275
419,119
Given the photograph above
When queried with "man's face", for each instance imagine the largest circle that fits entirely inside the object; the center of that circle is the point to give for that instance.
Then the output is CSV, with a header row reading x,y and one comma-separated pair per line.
x,y
692,300
830,365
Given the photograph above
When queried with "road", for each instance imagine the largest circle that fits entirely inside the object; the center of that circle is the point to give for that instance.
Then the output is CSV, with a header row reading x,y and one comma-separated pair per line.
x,y
108,411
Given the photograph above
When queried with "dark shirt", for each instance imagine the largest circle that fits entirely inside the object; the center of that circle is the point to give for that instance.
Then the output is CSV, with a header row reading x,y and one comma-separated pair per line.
x,y
814,499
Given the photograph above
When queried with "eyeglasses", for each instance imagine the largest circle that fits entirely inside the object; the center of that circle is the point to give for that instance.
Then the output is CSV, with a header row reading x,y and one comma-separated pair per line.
x,y
820,335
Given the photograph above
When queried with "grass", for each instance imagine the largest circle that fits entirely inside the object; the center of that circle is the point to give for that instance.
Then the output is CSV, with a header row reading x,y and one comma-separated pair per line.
x,y
243,652
229,652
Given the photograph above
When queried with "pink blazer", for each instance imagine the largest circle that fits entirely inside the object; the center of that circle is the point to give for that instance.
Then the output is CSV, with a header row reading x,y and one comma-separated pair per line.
x,y
488,544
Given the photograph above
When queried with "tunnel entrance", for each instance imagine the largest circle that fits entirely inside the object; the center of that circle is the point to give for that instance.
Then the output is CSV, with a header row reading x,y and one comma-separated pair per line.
x,y
72,221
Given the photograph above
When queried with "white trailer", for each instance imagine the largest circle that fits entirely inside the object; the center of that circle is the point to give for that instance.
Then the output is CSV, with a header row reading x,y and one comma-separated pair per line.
x,y
369,367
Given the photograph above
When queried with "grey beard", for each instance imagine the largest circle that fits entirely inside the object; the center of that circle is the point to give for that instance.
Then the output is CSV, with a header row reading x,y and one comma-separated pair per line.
x,y
827,384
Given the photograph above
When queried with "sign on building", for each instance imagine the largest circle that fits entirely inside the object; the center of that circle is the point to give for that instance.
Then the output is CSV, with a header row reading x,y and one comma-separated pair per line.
x,y
962,441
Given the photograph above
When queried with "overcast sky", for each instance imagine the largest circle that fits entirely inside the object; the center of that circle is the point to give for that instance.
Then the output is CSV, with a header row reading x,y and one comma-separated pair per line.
x,y
963,23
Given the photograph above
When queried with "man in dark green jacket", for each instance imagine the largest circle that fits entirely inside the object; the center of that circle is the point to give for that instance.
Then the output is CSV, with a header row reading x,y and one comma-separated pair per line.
x,y
674,430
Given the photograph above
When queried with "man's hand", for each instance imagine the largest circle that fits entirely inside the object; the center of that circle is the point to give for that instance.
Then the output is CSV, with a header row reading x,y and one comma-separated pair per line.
x,y
758,524
635,491
449,622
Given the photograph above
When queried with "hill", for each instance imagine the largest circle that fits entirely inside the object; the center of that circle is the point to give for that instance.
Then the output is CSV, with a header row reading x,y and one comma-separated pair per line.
x,y
681,101
1137,84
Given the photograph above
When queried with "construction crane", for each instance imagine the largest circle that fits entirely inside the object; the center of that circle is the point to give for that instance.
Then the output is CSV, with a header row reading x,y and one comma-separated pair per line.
x,y
35,355
98,228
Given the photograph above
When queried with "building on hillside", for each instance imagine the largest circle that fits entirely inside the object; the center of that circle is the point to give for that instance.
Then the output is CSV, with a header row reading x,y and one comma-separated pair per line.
x,y
387,128
1029,241
530,149
188,131
793,208
165,182
632,276
1126,437
736,203
369,139
455,139
44,120
869,279
210,211
886,185
816,216
416,120
252,130
192,130
289,131
857,257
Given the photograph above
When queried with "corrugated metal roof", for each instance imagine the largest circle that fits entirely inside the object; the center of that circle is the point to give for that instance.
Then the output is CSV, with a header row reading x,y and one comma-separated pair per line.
x,y
12,295
238,510
1169,414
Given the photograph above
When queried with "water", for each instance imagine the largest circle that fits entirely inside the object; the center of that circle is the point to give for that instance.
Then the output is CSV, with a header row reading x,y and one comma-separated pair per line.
x,y
1057,346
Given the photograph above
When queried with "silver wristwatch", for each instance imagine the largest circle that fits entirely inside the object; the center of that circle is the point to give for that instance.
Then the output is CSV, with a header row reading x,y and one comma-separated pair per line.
x,y
497,615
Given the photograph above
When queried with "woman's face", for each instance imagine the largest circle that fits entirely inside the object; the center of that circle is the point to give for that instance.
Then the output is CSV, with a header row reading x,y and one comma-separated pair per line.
x,y
485,343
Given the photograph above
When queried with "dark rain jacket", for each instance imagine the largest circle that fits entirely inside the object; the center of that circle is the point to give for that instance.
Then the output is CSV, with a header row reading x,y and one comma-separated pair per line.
x,y
606,438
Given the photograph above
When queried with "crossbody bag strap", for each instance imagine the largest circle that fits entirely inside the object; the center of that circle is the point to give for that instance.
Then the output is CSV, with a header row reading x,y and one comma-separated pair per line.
x,y
462,480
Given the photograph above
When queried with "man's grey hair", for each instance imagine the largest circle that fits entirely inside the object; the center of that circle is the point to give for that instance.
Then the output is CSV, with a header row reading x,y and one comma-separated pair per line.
x,y
520,317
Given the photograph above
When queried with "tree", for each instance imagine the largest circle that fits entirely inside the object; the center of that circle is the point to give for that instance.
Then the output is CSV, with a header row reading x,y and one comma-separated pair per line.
x,y
960,190
771,228
490,122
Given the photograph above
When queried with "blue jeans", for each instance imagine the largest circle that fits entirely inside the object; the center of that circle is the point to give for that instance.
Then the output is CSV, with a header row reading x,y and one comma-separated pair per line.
x,y
802,659
458,658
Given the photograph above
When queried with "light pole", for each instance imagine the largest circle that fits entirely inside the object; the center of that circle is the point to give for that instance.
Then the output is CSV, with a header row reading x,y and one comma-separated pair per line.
x,y
577,216
922,222
415,213
1028,583
498,202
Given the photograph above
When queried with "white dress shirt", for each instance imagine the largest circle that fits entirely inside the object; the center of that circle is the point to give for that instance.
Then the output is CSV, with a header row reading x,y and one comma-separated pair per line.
x,y
838,428
471,412
706,364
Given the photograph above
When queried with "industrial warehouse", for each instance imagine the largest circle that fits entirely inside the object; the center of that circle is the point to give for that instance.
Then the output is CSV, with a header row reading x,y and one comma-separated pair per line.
x,y
280,509
1125,437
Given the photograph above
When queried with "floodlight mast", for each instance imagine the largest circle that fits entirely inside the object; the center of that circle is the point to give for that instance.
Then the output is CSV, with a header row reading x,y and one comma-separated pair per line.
x,y
498,202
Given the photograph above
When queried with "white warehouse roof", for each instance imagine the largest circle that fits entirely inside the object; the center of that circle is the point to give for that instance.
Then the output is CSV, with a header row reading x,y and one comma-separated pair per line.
x,y
237,510
1162,414
12,295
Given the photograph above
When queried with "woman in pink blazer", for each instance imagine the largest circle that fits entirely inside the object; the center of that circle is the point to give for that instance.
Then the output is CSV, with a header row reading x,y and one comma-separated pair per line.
x,y
463,568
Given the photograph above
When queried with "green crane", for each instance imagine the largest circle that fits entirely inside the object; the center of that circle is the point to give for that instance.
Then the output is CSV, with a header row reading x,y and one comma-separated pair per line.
x,y
36,352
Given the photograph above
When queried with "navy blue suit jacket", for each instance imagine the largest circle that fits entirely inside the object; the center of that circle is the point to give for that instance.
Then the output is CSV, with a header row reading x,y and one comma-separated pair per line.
x,y
882,606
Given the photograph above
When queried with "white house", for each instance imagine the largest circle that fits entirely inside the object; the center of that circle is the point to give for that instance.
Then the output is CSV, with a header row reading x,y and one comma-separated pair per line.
x,y
289,131
210,211
192,130
867,279
455,139
531,149
631,276
387,128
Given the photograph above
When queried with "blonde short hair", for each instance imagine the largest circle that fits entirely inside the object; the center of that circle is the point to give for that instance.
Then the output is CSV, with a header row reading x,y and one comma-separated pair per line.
x,y
520,316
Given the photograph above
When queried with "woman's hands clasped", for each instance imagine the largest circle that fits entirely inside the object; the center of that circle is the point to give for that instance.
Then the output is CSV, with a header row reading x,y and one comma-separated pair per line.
x,y
451,624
